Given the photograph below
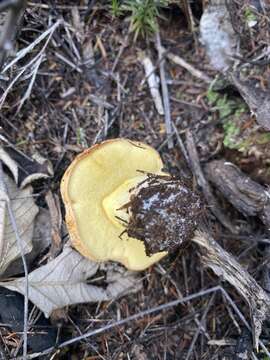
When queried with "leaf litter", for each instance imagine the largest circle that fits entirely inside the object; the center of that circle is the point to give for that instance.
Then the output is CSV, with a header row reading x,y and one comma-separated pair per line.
x,y
25,211
64,281
130,113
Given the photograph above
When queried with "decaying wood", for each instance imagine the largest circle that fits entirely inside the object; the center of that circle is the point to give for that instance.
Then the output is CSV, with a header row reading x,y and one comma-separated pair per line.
x,y
246,195
203,183
225,266
251,199
256,99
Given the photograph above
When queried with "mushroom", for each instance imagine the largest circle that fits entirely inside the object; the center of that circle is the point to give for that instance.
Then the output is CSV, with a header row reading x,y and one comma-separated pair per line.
x,y
121,205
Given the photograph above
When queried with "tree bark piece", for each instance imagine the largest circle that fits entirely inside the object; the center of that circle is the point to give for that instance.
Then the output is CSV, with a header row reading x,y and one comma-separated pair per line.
x,y
225,266
246,195
256,99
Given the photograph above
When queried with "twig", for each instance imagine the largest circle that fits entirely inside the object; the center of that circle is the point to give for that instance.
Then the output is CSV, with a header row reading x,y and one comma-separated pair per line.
x,y
193,71
16,9
165,93
30,47
127,320
68,62
242,318
32,81
35,62
181,144
247,196
197,171
3,355
195,337
5,195
225,266
148,312
120,52
152,82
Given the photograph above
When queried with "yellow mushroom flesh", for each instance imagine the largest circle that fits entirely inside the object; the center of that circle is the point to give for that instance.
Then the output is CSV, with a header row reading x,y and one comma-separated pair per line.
x,y
94,189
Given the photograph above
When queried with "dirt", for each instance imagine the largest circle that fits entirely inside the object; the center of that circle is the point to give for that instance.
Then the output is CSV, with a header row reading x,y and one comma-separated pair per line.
x,y
164,214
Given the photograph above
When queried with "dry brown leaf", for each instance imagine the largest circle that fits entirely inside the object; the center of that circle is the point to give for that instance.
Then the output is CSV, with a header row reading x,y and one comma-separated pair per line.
x,y
24,169
54,206
25,211
65,281
42,239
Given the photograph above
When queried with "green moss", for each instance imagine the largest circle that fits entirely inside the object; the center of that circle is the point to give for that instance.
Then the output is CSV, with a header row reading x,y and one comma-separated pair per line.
x,y
263,139
230,133
224,105
229,111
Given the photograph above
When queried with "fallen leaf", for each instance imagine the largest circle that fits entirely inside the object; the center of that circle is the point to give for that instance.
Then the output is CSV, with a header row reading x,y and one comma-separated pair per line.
x,y
25,211
54,206
23,168
65,281
42,238
40,337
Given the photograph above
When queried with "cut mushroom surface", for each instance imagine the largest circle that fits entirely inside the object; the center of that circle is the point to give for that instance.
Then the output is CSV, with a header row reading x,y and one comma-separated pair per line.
x,y
95,188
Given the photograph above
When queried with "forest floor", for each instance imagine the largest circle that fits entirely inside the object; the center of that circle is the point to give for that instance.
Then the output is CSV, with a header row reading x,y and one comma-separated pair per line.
x,y
90,85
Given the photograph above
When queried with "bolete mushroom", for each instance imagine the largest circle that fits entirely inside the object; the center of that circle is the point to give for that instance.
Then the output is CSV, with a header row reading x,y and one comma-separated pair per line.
x,y
122,206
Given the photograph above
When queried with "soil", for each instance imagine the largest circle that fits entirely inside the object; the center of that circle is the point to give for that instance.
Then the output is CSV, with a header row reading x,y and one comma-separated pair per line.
x,y
164,214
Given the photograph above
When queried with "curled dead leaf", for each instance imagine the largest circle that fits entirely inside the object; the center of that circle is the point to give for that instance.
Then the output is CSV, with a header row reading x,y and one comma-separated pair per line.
x,y
25,211
65,281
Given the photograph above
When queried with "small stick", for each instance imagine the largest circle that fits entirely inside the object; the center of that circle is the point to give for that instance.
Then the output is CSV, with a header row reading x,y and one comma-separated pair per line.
x,y
197,171
35,61
5,197
128,319
152,82
181,144
200,327
193,71
150,311
246,195
23,52
165,92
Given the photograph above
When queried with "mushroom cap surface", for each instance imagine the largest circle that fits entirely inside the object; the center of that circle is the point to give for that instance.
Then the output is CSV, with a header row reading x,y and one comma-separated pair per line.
x,y
94,187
